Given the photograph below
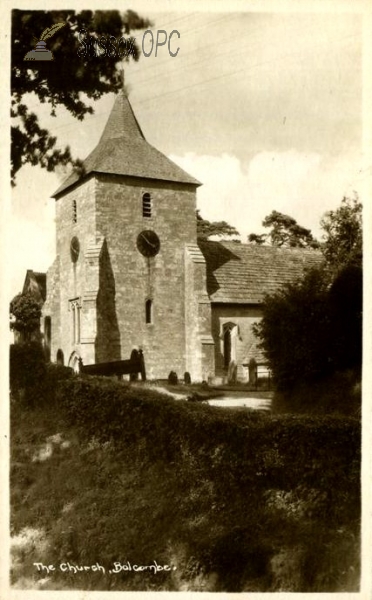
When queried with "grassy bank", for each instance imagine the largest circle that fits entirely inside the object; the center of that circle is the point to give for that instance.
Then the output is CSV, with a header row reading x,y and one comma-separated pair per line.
x,y
108,473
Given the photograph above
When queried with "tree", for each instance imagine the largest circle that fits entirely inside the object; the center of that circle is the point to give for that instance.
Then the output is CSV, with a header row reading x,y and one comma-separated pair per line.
x,y
314,326
285,231
295,330
343,234
343,250
62,82
345,305
205,229
25,314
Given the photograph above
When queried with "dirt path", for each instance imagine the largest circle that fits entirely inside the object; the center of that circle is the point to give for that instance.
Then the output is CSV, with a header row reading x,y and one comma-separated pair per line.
x,y
244,401
231,399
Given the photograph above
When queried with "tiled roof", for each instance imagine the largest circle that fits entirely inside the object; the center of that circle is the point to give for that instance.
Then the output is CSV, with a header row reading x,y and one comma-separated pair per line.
x,y
123,150
244,273
254,351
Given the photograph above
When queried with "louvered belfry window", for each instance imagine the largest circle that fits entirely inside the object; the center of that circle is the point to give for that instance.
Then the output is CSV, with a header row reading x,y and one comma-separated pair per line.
x,y
146,205
74,211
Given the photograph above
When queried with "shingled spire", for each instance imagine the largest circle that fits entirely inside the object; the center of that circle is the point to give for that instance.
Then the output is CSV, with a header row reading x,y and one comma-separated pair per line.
x,y
123,150
122,122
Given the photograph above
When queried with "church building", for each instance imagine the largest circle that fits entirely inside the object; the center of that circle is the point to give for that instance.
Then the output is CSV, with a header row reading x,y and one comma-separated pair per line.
x,y
129,272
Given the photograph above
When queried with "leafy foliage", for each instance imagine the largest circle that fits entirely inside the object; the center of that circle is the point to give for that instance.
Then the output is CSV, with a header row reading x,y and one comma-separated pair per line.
x,y
27,365
345,306
343,234
33,381
25,314
338,394
236,509
257,238
313,327
61,85
285,231
205,229
295,330
142,476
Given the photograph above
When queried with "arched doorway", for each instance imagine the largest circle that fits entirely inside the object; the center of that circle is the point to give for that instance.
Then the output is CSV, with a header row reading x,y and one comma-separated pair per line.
x,y
229,336
74,362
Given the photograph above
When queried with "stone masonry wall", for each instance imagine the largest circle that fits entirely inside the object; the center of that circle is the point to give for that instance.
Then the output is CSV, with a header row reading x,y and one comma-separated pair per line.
x,y
51,308
75,278
199,342
135,278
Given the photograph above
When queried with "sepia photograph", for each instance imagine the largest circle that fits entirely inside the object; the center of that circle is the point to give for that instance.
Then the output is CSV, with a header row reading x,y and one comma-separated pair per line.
x,y
183,289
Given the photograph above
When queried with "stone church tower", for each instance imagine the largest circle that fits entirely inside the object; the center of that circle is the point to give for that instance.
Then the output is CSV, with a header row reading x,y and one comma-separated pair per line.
x,y
128,272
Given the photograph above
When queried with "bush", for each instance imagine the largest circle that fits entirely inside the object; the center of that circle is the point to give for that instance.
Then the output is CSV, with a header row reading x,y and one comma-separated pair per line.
x,y
27,371
339,393
295,330
32,379
345,305
27,313
313,327
53,376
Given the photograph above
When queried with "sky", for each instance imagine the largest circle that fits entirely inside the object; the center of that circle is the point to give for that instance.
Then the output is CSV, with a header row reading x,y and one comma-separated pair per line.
x,y
264,108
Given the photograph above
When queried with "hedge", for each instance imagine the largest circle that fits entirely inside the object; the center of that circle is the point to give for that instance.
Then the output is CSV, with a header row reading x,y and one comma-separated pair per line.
x,y
253,501
32,379
243,450
27,365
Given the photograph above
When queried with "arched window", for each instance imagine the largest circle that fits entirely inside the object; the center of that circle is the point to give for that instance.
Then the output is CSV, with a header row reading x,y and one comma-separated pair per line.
x,y
74,211
148,310
75,309
60,357
227,348
47,336
146,205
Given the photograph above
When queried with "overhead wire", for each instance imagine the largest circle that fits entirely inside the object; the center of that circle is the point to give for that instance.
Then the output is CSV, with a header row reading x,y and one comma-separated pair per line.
x,y
202,83
190,31
242,49
172,21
